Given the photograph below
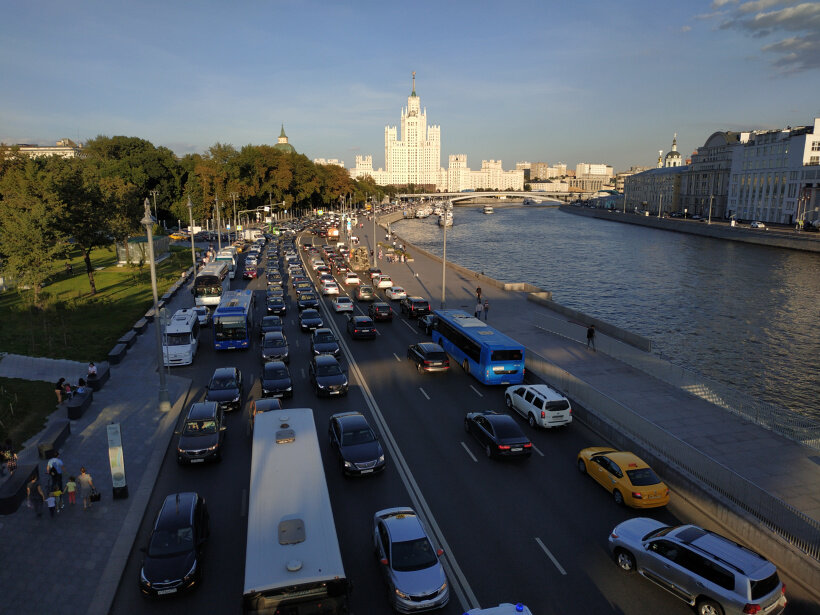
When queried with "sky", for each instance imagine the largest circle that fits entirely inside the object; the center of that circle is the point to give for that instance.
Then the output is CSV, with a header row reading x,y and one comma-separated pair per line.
x,y
585,81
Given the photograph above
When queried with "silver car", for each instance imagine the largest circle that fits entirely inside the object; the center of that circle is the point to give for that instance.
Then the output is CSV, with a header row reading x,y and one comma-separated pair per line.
x,y
704,569
414,575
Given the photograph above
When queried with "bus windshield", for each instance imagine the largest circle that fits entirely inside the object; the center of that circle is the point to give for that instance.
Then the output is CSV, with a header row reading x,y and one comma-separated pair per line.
x,y
208,288
230,328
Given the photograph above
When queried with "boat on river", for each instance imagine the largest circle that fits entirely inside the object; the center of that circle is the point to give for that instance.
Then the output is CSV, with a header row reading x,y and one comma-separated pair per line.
x,y
488,209
446,218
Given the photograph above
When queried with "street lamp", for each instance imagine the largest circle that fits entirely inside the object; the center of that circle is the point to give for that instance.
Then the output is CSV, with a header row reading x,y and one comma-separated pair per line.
x,y
233,195
711,198
191,230
154,193
218,223
148,222
444,259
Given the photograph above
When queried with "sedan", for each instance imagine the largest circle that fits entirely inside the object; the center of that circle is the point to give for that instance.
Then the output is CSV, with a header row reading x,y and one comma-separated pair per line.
x,y
373,273
225,388
324,342
275,347
757,224
384,281
428,357
361,327
415,578
250,273
499,434
626,476
352,279
380,311
326,376
203,315
427,323
343,304
271,324
365,293
357,446
276,305
307,300
330,288
395,293
276,380
310,319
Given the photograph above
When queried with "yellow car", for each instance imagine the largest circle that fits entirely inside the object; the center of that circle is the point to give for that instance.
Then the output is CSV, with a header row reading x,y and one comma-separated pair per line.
x,y
630,480
176,236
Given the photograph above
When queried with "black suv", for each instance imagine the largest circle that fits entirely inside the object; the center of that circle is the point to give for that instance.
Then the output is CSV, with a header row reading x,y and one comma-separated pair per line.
x,y
173,558
380,311
415,307
225,388
202,433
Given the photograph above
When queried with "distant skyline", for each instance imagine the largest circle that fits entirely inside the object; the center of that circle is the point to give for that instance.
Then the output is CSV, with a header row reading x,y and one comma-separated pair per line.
x,y
589,81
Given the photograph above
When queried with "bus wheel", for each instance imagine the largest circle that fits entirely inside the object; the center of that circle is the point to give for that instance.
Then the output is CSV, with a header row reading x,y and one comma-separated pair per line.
x,y
465,366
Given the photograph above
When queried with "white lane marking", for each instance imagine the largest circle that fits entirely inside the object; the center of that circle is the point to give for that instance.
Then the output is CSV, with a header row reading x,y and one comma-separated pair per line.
x,y
296,341
397,357
469,452
476,391
244,504
409,326
424,393
302,370
551,556
535,448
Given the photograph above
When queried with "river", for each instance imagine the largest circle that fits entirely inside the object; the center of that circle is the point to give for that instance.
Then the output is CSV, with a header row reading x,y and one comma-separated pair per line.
x,y
745,315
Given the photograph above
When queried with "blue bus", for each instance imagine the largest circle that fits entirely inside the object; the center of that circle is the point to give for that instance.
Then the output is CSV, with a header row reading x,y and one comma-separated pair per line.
x,y
233,320
488,355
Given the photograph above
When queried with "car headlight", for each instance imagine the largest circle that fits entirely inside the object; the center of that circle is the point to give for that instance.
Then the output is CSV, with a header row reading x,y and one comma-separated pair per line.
x,y
235,400
289,389
401,594
190,573
348,464
212,448
321,386
442,588
143,578
381,458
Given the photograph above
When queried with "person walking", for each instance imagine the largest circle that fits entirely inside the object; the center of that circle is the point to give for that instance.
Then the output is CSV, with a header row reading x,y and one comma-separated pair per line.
x,y
478,294
486,308
478,308
51,502
58,390
55,471
86,486
35,495
71,490
591,336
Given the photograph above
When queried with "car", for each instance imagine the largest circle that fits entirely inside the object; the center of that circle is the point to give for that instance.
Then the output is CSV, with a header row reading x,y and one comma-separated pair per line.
x,y
395,293
250,272
757,224
343,304
410,564
325,277
427,323
498,434
357,445
258,406
275,347
361,327
326,376
176,236
380,311
384,281
322,341
173,557
271,324
365,293
322,269
415,307
540,404
302,285
330,288
340,266
712,573
428,357
316,263
203,314
275,291
273,278
225,388
276,381
307,300
505,608
373,273
352,279
625,475
310,319
276,305
202,433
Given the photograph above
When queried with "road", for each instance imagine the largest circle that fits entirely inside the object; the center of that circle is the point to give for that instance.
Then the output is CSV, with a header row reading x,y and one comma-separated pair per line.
x,y
532,531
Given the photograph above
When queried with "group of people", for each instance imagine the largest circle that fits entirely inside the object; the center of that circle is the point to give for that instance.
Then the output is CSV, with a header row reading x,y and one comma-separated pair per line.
x,y
64,390
479,306
53,498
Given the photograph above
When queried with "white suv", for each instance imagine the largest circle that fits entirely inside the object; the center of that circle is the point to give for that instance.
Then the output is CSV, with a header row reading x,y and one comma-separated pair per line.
x,y
541,405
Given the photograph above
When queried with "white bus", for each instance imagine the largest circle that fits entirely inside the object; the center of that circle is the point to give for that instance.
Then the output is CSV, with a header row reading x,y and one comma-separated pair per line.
x,y
292,560
181,338
229,258
210,283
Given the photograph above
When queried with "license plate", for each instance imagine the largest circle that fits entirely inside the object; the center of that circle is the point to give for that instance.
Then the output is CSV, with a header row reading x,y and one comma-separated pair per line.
x,y
166,591
367,471
515,449
192,461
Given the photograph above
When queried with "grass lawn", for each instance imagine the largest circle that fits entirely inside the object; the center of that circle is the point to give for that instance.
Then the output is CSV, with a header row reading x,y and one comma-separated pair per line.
x,y
24,406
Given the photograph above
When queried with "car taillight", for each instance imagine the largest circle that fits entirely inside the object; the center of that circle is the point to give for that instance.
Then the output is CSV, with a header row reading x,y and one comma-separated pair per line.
x,y
752,608
355,330
426,362
503,447
543,414
528,445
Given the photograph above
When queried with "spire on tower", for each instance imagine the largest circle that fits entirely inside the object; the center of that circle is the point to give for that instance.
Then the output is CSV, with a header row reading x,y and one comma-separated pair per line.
x,y
414,84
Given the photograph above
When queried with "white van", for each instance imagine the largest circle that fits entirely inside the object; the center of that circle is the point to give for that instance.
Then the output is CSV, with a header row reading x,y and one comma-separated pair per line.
x,y
180,339
228,255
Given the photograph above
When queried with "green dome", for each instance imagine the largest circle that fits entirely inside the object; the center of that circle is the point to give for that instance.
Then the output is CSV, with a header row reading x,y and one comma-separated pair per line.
x,y
283,145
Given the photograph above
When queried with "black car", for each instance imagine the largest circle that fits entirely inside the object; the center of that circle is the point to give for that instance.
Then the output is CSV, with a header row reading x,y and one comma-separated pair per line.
x,y
499,434
275,347
173,557
258,406
310,319
200,438
271,324
274,278
361,327
427,323
428,357
356,444
276,381
326,376
307,300
225,388
276,305
324,342
415,307
380,310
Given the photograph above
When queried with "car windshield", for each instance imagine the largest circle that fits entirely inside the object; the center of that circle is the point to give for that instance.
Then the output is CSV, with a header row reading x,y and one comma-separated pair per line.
x,y
411,555
197,428
357,436
307,297
168,543
275,372
276,342
271,321
223,383
177,339
513,354
310,314
328,369
643,477
325,338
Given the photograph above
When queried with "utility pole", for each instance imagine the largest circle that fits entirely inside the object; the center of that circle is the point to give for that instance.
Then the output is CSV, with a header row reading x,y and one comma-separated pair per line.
x,y
233,195
154,193
218,223
711,198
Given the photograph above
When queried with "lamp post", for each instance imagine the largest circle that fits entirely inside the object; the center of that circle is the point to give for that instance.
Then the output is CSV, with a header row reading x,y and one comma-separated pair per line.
x,y
660,205
233,195
375,239
154,193
444,259
191,229
711,198
218,224
164,401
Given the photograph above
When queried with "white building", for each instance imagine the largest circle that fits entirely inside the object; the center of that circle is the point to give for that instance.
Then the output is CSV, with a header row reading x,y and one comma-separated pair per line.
x,y
586,170
65,148
334,162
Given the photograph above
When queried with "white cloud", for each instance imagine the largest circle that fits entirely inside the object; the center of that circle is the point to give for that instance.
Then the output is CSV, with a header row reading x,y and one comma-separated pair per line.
x,y
685,28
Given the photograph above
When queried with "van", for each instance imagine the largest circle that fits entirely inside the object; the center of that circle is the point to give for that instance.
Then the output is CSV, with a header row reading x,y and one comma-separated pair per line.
x,y
180,338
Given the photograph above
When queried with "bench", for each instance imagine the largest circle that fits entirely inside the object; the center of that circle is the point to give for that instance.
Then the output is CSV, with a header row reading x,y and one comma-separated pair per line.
x,y
53,437
140,325
149,315
166,298
117,353
13,491
128,338
78,404
103,374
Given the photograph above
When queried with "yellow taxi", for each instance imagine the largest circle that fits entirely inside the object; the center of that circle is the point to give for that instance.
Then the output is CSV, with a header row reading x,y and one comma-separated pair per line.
x,y
176,236
625,475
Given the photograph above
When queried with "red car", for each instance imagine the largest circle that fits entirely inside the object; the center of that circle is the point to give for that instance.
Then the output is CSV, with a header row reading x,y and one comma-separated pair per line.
x,y
251,273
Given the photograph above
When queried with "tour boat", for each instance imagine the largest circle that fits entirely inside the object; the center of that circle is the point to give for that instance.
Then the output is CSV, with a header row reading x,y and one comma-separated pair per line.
x,y
488,209
446,218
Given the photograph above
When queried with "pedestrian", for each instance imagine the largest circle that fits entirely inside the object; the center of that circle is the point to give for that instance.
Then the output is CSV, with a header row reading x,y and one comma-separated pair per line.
x,y
71,490
11,459
591,336
478,308
51,502
86,486
58,390
478,294
54,467
92,370
35,495
486,308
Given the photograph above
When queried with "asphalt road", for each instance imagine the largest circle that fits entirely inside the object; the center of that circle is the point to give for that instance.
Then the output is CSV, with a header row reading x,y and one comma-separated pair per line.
x,y
532,531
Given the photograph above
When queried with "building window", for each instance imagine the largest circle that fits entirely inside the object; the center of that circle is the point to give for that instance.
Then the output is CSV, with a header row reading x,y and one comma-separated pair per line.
x,y
815,146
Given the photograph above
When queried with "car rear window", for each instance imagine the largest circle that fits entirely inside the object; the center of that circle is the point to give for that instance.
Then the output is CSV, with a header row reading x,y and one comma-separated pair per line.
x,y
436,356
764,587
507,355
643,477
556,406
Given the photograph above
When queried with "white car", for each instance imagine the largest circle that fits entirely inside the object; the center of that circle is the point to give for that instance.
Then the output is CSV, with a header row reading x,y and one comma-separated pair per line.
x,y
330,288
352,279
504,608
316,263
384,281
757,224
541,405
202,314
395,293
343,304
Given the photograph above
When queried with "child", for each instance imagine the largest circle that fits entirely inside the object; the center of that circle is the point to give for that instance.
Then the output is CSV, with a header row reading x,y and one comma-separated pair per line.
x,y
71,490
51,502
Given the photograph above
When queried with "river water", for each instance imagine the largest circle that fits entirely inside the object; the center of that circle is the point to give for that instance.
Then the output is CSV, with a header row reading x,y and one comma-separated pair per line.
x,y
744,315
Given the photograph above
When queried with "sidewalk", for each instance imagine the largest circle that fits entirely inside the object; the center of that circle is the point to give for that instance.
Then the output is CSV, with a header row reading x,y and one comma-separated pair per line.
x,y
73,563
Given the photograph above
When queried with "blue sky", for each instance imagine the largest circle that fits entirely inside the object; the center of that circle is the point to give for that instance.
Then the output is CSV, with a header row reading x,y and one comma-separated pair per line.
x,y
585,81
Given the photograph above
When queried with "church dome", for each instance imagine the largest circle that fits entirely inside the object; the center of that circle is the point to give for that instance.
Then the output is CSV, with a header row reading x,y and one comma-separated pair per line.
x,y
282,145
